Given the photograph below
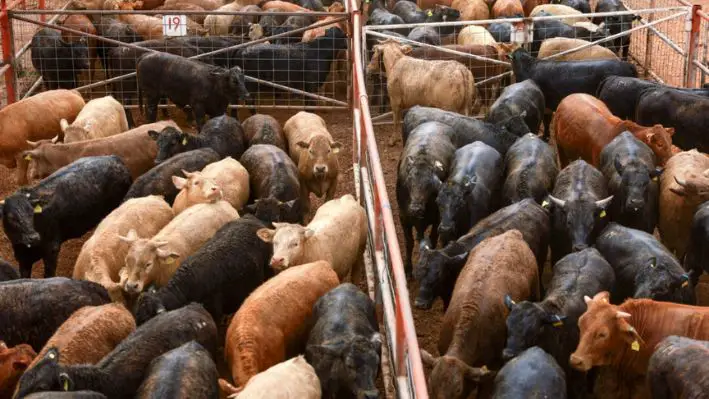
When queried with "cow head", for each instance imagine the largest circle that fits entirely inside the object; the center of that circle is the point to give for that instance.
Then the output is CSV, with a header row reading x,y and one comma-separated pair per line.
x,y
659,139
72,133
197,188
149,305
635,187
289,241
453,198
13,362
170,142
352,362
579,218
423,182
443,13
692,186
79,54
451,378
46,375
526,323
318,155
515,124
378,59
604,331
271,210
433,269
335,35
18,215
142,259
237,84
37,165
660,281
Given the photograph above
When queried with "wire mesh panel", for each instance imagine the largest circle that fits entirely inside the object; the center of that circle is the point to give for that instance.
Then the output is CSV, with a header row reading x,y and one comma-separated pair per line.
x,y
701,59
297,60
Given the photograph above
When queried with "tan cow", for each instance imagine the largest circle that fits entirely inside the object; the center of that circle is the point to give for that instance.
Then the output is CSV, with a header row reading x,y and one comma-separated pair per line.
x,y
103,255
226,179
147,26
101,117
448,85
271,323
311,147
218,25
314,33
476,34
208,5
135,148
471,10
473,333
337,234
35,118
507,9
560,44
154,260
13,362
294,378
282,6
684,185
560,9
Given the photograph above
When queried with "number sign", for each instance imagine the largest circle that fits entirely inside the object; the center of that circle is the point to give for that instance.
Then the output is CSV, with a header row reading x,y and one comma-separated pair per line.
x,y
174,25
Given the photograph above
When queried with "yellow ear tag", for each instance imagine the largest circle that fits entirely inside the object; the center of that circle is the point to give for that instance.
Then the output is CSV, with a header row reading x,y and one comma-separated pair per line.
x,y
603,214
184,141
169,261
686,283
66,385
545,204
430,13
38,208
558,323
484,369
654,178
28,157
635,346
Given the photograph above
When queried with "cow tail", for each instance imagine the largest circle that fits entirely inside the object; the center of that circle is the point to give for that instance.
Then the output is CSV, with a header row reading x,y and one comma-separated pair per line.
x,y
141,108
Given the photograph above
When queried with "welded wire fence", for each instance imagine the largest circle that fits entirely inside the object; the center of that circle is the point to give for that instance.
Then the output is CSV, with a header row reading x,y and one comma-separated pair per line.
x,y
701,60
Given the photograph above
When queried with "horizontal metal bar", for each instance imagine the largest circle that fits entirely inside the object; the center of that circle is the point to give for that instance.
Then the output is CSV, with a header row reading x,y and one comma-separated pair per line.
x,y
32,88
532,19
439,48
702,14
175,12
29,43
659,34
268,106
701,66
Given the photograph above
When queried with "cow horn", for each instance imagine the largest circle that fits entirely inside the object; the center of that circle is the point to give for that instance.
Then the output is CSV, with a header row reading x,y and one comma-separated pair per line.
x,y
55,139
604,202
681,182
428,359
557,201
32,143
622,315
587,299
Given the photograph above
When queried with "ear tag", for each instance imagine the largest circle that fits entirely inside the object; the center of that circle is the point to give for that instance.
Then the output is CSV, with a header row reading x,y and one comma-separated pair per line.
x,y
603,214
66,385
654,178
169,261
28,157
686,283
558,324
484,369
545,204
38,208
635,346
184,141
51,355
430,13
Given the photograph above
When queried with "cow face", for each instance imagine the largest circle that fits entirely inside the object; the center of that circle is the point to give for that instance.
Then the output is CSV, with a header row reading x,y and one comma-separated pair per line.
x,y
37,165
656,281
46,375
634,189
421,179
526,324
451,378
353,363
604,331
237,84
318,155
149,306
659,139
443,13
143,257
452,199
271,210
198,188
79,54
579,218
170,142
433,268
289,242
13,362
18,213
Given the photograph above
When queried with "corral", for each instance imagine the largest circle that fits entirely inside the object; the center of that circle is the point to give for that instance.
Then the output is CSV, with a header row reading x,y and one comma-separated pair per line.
x,y
668,45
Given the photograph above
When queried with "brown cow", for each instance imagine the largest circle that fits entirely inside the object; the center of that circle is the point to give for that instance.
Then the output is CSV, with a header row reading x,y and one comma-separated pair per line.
x,y
13,362
270,325
684,185
625,336
283,5
507,9
314,33
470,10
473,333
583,125
35,118
135,148
264,129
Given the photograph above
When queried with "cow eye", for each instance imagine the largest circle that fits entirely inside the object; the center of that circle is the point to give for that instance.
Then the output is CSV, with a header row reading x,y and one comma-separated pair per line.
x,y
294,244
601,335
196,183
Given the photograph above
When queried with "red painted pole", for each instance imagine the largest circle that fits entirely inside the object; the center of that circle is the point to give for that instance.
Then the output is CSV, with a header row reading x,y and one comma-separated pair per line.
x,y
693,47
40,5
7,56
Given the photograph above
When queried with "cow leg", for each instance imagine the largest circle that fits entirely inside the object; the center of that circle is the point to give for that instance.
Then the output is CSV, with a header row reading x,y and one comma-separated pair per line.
x,y
199,115
151,109
395,111
51,253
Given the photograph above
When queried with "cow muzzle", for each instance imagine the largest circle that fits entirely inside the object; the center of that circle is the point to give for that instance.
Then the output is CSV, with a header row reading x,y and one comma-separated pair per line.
x,y
32,240
579,363
132,287
320,170
278,263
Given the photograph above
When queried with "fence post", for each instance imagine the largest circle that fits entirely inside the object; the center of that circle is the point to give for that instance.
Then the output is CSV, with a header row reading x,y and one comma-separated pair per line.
x,y
40,5
693,48
7,59
648,43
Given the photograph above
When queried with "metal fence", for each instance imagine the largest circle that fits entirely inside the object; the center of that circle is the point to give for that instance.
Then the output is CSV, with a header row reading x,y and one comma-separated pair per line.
x,y
700,62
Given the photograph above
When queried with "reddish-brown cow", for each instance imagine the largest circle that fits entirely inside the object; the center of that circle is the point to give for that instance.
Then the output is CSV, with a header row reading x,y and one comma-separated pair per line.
x,y
507,8
13,362
583,125
625,336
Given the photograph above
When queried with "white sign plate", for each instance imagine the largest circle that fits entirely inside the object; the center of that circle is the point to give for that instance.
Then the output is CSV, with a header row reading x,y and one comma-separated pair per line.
x,y
174,25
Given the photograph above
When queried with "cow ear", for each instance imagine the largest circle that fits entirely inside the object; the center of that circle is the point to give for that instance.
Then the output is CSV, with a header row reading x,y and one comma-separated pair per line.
x,y
602,296
167,255
554,319
428,359
130,237
308,233
179,182
478,374
66,383
630,334
509,302
457,261
153,134
63,124
266,235
670,131
302,144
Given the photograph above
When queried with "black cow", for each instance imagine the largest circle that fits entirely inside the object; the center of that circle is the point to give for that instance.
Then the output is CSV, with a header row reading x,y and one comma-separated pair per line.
x,y
302,66
344,345
292,23
207,44
165,378
222,134
466,130
66,395
678,368
621,94
531,170
688,113
551,28
644,268
616,23
111,28
558,79
629,166
471,191
409,12
580,200
379,15
275,186
425,34
437,270
520,99
698,249
207,89
65,205
58,62
220,275
33,309
158,180
424,164
120,373
579,5
7,271
501,31
552,324
532,374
